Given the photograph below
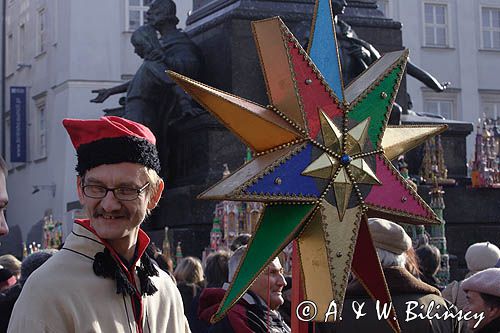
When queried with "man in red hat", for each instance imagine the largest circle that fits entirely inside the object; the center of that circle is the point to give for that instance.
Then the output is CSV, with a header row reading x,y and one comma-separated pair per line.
x,y
103,280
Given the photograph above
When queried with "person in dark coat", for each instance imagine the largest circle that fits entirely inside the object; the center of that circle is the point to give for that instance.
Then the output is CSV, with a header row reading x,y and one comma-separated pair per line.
x,y
190,282
429,259
411,297
216,274
7,300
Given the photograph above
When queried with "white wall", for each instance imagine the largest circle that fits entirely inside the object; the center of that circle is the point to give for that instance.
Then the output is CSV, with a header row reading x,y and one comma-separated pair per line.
x,y
470,69
88,47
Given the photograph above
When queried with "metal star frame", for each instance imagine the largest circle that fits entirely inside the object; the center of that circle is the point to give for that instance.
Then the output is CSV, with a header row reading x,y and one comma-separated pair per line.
x,y
315,144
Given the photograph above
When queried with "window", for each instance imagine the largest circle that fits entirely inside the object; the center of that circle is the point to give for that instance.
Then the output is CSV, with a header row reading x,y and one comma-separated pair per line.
x,y
491,109
136,12
22,41
444,108
490,104
436,24
41,32
41,128
383,6
490,18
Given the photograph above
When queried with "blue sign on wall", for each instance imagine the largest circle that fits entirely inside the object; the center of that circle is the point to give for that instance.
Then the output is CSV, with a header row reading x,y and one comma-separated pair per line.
x,y
18,124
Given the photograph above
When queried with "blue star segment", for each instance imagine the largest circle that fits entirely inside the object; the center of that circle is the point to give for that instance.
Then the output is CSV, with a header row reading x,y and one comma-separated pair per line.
x,y
323,46
286,179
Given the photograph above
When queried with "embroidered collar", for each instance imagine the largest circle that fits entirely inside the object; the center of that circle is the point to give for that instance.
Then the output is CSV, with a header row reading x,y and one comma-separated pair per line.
x,y
109,264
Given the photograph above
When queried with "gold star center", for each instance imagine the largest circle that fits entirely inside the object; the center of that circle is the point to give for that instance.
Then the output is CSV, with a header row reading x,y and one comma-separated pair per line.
x,y
343,162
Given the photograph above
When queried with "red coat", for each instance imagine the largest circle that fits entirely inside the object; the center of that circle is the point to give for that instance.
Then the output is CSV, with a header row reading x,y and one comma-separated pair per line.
x,y
243,317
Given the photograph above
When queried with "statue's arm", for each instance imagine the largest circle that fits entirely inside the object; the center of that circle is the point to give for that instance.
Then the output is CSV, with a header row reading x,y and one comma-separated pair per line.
x,y
425,77
103,94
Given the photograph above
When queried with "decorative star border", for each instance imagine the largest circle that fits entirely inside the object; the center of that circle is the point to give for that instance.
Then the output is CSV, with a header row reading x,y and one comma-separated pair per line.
x,y
315,144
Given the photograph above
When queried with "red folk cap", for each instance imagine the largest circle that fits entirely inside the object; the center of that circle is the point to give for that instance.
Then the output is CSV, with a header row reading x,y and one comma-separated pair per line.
x,y
82,131
111,140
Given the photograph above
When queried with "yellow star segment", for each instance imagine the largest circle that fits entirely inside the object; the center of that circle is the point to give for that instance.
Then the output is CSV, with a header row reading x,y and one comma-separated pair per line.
x,y
331,134
362,172
398,140
324,167
342,187
344,166
356,138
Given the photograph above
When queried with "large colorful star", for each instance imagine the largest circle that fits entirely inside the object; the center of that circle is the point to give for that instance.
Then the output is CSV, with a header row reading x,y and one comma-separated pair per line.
x,y
315,144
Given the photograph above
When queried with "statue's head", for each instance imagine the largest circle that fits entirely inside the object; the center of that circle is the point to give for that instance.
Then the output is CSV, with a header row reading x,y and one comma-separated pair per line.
x,y
162,12
338,6
144,40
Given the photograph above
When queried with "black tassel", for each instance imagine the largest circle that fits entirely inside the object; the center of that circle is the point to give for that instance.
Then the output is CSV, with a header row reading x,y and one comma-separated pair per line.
x,y
123,285
146,270
106,266
148,266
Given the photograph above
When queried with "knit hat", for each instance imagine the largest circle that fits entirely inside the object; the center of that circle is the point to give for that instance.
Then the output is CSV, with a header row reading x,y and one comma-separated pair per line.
x,y
388,235
7,279
486,282
111,140
480,256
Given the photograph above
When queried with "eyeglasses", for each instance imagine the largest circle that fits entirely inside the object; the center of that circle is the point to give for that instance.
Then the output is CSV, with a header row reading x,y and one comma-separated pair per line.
x,y
120,193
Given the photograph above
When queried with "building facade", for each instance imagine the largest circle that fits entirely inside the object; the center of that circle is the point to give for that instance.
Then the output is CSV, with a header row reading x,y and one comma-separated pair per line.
x,y
57,52
457,41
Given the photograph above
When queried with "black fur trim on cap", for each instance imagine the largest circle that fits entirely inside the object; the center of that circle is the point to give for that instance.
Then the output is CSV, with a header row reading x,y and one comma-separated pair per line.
x,y
117,150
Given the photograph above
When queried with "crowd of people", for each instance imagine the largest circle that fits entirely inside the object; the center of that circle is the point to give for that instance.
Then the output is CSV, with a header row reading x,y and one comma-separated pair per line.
x,y
107,277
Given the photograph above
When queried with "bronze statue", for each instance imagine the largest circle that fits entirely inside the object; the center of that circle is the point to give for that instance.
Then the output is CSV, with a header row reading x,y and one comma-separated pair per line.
x,y
152,97
357,54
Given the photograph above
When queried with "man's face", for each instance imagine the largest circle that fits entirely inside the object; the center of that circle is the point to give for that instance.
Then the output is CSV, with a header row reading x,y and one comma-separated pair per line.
x,y
270,284
4,199
112,219
476,304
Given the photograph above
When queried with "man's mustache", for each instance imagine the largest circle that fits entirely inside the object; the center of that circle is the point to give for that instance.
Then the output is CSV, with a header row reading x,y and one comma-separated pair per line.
x,y
121,213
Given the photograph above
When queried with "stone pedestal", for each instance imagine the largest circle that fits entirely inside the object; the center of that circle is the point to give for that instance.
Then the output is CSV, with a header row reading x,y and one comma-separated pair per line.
x,y
454,146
